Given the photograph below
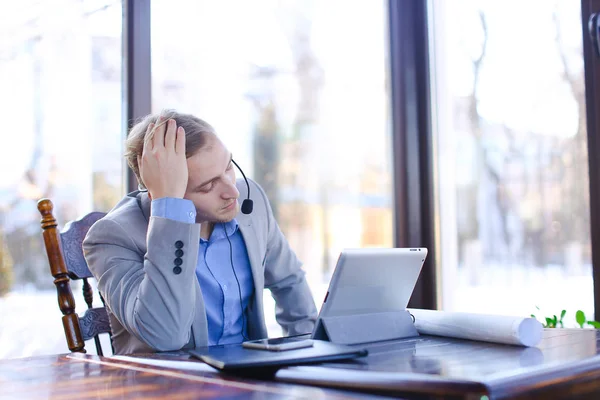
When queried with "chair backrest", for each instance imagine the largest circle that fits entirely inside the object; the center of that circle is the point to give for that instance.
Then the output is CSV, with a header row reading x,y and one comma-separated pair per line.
x,y
65,256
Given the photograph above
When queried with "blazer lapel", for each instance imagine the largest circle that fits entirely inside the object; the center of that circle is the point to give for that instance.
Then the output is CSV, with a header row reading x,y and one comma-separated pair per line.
x,y
250,239
249,235
256,319
145,204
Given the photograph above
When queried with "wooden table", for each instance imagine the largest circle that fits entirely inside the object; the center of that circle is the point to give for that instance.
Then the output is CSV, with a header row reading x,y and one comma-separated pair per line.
x,y
566,365
80,376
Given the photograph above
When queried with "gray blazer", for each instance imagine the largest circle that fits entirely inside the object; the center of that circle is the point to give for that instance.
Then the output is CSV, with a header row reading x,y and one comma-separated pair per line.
x,y
152,308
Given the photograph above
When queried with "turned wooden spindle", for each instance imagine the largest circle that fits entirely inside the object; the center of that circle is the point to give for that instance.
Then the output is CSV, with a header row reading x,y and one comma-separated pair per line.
x,y
88,295
59,271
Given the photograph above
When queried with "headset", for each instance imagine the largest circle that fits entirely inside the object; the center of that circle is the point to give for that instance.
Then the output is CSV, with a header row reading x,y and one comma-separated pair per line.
x,y
247,207
238,285
247,204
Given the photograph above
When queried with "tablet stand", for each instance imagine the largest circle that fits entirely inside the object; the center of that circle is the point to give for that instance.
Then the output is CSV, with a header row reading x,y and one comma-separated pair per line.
x,y
365,328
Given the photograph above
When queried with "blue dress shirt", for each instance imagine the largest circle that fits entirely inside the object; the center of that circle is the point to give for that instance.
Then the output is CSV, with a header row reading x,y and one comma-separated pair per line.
x,y
218,257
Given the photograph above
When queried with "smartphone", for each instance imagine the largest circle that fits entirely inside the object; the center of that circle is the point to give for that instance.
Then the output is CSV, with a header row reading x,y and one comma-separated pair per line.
x,y
278,344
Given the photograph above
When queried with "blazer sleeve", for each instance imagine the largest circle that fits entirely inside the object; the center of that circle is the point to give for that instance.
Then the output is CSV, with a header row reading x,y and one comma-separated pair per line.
x,y
152,294
295,308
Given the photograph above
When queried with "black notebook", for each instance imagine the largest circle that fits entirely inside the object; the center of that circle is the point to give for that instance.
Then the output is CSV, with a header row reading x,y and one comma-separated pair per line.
x,y
236,357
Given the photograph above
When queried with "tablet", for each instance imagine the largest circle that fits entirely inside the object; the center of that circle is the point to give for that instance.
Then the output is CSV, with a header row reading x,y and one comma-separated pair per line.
x,y
278,344
236,357
369,281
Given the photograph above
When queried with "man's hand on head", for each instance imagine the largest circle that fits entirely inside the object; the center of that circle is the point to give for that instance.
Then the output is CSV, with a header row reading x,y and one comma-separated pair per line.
x,y
163,165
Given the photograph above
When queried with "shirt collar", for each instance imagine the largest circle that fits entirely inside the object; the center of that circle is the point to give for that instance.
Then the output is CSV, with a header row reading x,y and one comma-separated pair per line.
x,y
219,230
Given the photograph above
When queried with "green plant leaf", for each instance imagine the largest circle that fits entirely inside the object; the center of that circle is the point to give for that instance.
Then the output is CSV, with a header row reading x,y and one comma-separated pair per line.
x,y
580,318
595,324
533,316
549,323
562,315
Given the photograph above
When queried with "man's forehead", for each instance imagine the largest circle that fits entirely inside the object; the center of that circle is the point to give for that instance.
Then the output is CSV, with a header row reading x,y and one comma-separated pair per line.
x,y
209,161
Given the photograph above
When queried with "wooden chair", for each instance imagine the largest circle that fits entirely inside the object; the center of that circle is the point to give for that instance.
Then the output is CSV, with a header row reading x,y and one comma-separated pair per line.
x,y
65,256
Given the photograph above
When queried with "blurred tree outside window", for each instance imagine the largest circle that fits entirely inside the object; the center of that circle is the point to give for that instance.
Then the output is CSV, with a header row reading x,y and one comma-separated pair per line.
x,y
509,95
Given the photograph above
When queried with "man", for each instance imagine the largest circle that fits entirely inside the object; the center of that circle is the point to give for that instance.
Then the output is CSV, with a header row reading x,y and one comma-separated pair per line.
x,y
177,264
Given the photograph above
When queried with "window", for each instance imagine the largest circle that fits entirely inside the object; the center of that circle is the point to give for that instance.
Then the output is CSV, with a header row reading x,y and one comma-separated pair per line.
x,y
60,74
299,95
512,164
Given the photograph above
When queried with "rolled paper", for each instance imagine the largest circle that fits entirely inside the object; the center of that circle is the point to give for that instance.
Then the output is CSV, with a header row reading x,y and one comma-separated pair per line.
x,y
484,327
